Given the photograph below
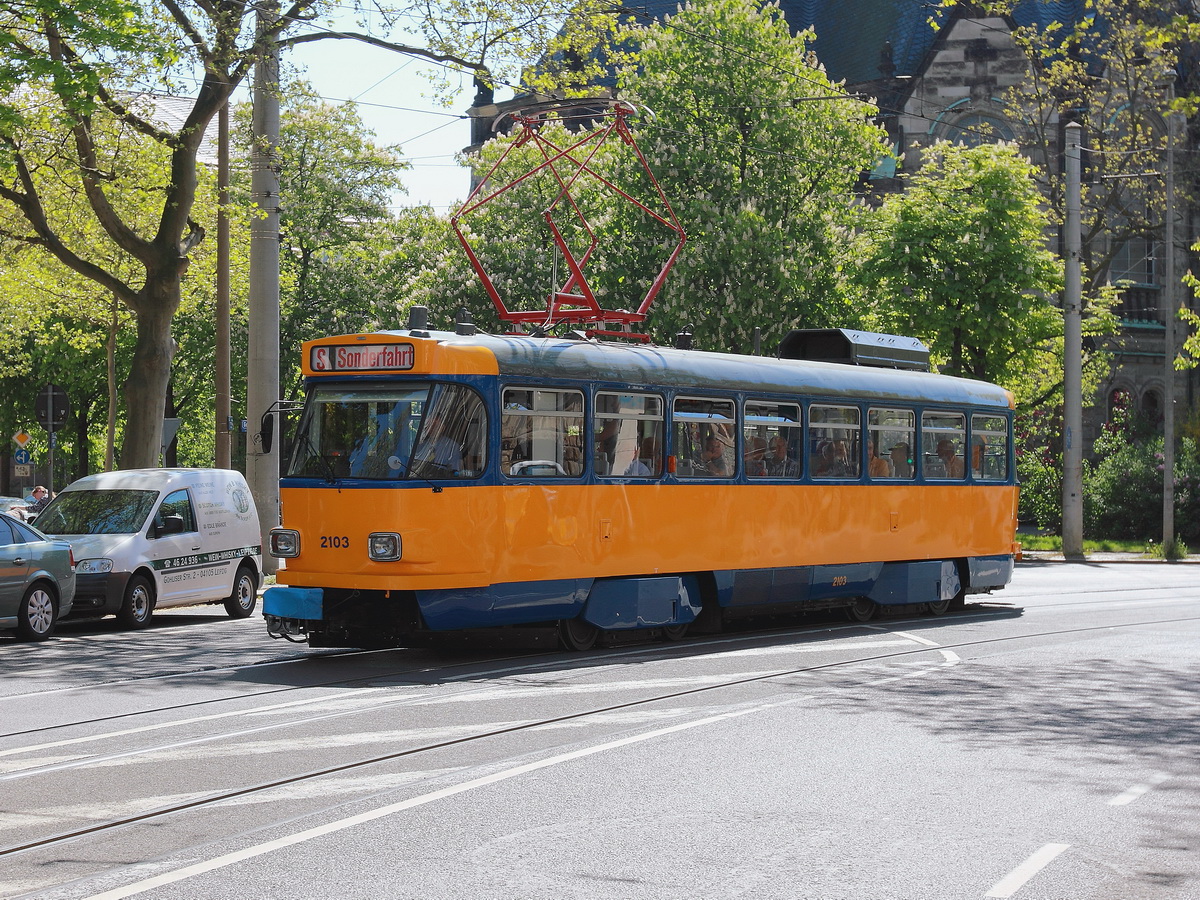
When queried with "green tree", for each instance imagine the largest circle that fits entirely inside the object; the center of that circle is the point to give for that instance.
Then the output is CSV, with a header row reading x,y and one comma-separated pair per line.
x,y
342,184
1118,73
759,154
959,260
77,82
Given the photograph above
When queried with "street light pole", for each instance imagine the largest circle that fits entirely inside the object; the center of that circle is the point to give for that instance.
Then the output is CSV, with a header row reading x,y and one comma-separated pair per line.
x,y
1072,500
1169,312
262,389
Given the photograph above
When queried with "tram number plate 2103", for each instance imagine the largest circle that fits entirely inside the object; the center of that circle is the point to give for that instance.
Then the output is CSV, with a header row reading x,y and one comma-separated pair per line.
x,y
335,542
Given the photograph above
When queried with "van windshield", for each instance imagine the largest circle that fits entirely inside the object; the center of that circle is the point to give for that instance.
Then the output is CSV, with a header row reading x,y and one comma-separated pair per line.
x,y
97,512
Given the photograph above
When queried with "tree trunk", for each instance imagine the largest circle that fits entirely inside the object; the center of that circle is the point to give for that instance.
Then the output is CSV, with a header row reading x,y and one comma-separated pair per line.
x,y
83,454
146,387
110,434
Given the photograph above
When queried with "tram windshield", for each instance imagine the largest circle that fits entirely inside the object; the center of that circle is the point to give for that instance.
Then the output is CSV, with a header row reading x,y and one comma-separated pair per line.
x,y
391,433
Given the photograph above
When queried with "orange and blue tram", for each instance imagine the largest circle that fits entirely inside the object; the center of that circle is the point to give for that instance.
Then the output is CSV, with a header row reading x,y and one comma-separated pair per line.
x,y
442,481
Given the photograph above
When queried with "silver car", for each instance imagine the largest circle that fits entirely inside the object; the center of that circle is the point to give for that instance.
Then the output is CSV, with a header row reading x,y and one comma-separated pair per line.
x,y
14,506
37,580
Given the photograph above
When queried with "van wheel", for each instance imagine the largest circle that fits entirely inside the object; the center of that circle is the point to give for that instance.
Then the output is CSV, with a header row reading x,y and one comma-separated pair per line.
x,y
242,601
38,614
138,605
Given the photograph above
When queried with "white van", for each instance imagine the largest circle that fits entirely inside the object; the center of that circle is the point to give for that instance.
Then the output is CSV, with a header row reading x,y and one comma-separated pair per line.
x,y
157,538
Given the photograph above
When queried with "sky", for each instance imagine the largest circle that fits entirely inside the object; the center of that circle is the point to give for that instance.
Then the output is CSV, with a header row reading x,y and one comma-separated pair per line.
x,y
394,101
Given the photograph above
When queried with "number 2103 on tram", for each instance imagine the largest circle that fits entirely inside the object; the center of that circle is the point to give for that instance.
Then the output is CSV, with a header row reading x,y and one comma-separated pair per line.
x,y
443,481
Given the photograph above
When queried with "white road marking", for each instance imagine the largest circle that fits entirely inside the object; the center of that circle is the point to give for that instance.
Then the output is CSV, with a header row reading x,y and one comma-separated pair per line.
x,y
1015,880
301,837
1137,790
175,723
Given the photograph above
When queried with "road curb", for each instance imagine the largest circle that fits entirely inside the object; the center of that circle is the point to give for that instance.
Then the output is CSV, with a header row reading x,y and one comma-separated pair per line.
x,y
1028,558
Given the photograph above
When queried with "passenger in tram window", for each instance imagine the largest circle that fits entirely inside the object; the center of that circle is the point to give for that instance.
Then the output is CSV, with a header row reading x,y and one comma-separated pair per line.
x,y
834,461
646,464
901,462
756,452
877,466
952,461
779,463
714,457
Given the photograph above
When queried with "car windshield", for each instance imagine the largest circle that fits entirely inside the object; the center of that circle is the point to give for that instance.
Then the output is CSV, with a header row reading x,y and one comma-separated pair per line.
x,y
97,512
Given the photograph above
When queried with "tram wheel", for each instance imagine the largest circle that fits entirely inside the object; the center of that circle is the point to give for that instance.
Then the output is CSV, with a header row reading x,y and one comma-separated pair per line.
x,y
577,634
939,607
861,610
675,632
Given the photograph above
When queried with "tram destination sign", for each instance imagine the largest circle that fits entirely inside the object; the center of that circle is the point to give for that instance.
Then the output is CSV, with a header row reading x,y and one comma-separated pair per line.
x,y
362,357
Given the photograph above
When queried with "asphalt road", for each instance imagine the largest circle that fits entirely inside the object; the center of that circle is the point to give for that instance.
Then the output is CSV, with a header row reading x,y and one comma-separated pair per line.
x,y
1045,743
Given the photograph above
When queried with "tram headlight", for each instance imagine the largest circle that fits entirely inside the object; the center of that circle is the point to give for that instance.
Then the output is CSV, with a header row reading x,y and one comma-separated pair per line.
x,y
384,546
285,543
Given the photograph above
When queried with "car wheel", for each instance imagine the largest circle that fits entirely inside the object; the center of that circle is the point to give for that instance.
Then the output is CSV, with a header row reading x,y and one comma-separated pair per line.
x,y
38,613
242,601
138,605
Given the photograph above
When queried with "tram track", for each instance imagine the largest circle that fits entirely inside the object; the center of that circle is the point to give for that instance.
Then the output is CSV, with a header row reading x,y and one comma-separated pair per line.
x,y
221,796
351,654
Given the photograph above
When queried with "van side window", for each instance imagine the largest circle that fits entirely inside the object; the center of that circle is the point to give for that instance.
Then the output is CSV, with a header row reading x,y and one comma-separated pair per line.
x,y
177,503
541,433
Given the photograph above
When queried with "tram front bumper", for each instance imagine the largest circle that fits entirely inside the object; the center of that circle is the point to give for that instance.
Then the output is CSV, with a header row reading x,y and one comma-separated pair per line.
x,y
290,611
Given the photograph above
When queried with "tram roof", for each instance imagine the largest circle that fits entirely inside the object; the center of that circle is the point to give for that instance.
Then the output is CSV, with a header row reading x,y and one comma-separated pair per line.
x,y
648,365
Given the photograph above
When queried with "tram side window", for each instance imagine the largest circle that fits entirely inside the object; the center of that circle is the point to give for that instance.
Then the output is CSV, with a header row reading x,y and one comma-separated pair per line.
x,y
891,434
705,432
989,448
772,440
541,433
453,435
833,434
942,437
628,435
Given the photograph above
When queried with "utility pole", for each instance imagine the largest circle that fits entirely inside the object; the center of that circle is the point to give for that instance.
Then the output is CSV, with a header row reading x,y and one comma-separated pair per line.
x,y
222,454
1169,312
262,375
1072,502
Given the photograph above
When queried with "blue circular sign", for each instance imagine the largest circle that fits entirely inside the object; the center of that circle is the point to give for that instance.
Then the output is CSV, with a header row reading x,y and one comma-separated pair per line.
x,y
22,457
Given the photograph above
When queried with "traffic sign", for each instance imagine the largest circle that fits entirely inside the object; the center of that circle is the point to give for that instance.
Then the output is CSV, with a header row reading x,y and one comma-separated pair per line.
x,y
22,437
53,407
22,471
22,457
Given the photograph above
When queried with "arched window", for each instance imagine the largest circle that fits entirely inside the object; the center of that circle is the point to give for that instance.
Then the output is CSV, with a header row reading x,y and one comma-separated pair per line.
x,y
1152,407
978,128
